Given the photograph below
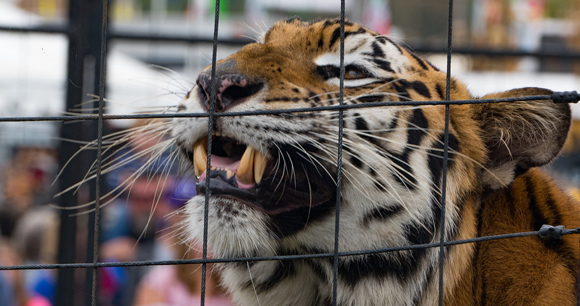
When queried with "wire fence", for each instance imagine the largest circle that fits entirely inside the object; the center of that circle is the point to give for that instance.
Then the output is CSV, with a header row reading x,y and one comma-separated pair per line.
x,y
101,21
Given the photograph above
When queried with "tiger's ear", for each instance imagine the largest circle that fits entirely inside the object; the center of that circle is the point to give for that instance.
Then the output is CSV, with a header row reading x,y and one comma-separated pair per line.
x,y
520,135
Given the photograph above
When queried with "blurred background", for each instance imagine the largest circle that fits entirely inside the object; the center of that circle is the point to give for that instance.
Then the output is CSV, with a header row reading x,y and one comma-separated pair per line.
x,y
49,66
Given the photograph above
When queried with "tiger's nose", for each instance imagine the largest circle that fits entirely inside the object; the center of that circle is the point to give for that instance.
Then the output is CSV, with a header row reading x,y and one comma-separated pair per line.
x,y
231,90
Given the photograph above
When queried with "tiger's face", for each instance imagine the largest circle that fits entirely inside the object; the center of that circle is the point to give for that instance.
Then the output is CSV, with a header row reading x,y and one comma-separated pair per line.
x,y
273,176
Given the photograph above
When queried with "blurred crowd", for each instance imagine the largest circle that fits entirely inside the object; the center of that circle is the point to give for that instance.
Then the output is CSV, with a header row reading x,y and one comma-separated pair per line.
x,y
139,222
28,227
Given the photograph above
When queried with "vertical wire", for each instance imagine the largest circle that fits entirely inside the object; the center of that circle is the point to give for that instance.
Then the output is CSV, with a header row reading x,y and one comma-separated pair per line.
x,y
445,152
339,158
209,145
99,148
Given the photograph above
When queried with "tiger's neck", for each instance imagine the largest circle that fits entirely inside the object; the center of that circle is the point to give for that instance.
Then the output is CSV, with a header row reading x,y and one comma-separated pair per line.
x,y
407,277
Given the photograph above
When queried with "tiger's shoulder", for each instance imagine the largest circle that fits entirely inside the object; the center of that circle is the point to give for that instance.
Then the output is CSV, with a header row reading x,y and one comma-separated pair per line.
x,y
526,270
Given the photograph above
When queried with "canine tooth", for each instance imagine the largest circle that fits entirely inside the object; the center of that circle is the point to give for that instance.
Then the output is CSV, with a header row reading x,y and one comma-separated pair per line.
x,y
260,162
245,173
229,173
200,156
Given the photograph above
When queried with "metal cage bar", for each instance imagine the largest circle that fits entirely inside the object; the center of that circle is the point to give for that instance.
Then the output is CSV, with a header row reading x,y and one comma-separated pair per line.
x,y
445,152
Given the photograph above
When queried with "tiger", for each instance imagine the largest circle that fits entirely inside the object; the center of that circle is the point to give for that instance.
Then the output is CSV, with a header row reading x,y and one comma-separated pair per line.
x,y
273,177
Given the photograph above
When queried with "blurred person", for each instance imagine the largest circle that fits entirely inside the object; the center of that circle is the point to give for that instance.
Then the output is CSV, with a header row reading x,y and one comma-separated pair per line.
x,y
180,285
142,188
26,182
12,291
132,235
35,239
6,290
17,189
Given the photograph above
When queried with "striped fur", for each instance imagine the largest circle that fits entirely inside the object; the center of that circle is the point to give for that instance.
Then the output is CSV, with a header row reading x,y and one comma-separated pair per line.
x,y
392,175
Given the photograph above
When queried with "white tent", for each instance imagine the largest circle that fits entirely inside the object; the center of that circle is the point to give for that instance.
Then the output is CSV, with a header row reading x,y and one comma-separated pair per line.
x,y
33,71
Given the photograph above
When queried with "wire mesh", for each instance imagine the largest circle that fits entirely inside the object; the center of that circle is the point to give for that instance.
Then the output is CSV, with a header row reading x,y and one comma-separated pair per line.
x,y
545,232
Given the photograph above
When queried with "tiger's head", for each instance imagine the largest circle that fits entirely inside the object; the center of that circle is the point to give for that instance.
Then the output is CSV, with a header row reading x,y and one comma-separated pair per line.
x,y
273,175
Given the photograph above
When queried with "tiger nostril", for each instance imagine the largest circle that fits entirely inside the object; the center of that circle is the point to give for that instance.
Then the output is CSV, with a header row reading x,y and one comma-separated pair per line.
x,y
233,93
230,90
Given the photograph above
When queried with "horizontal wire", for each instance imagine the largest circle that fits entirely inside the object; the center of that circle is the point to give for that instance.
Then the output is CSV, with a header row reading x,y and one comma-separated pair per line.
x,y
559,97
163,37
280,257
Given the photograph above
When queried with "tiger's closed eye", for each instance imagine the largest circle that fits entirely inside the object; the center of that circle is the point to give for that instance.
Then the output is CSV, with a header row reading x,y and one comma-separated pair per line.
x,y
351,72
354,73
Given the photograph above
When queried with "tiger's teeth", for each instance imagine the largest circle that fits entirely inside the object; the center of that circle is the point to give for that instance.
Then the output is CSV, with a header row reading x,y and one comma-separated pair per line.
x,y
200,156
260,162
245,173
229,173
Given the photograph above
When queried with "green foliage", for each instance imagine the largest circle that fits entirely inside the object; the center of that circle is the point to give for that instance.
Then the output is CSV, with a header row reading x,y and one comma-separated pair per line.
x,y
559,9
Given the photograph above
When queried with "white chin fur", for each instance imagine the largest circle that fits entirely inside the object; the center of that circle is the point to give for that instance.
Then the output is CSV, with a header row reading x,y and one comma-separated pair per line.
x,y
234,229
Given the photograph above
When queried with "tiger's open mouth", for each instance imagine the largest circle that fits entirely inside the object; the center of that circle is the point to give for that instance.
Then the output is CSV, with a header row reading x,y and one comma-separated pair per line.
x,y
244,173
243,165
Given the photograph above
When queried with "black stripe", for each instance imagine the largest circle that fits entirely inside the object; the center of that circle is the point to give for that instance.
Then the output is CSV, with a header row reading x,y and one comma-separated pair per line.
x,y
316,264
418,126
381,214
394,122
424,232
336,35
329,22
436,156
419,60
421,89
557,218
361,125
416,131
371,98
377,50
401,90
556,245
283,99
314,97
328,71
418,86
480,268
509,199
354,158
538,219
401,265
384,65
440,91
284,269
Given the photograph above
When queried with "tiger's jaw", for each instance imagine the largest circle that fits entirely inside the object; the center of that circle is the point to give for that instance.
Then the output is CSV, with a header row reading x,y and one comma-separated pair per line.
x,y
244,174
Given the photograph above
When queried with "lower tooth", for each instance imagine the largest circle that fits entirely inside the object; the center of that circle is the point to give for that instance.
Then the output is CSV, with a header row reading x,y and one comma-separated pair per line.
x,y
229,173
